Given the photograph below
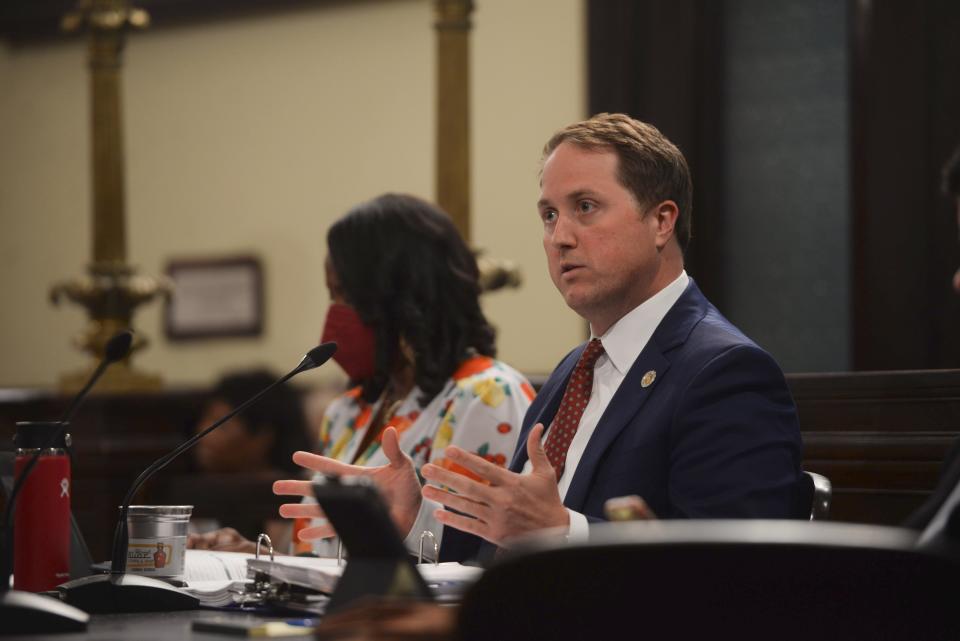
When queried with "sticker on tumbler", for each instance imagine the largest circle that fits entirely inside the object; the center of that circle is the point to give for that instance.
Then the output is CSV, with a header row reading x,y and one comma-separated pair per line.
x,y
163,557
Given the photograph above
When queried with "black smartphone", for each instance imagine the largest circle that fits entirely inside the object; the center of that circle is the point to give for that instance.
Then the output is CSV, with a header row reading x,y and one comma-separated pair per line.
x,y
360,516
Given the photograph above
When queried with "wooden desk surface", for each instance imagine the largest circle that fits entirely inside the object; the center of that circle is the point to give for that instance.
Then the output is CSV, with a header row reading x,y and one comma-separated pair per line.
x,y
157,626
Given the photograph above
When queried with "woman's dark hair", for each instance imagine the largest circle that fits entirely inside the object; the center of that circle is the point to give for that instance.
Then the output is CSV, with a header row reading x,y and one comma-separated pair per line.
x,y
279,411
406,271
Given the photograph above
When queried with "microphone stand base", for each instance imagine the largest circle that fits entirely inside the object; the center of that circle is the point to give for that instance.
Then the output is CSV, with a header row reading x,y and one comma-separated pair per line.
x,y
110,593
29,613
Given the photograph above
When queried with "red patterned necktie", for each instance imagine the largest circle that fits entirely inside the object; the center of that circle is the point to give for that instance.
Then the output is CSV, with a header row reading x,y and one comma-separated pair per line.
x,y
574,401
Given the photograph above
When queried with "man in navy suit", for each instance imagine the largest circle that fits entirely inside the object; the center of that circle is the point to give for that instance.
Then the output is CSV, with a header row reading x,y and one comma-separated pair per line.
x,y
668,400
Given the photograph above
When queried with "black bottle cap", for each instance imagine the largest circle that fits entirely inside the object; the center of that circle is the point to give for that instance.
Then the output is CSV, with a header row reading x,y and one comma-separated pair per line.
x,y
35,434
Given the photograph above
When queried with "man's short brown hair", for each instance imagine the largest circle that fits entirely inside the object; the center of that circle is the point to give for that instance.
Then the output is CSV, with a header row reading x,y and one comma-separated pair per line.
x,y
649,166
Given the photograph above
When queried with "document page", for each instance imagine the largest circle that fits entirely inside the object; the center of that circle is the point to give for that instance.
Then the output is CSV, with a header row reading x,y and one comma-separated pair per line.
x,y
207,565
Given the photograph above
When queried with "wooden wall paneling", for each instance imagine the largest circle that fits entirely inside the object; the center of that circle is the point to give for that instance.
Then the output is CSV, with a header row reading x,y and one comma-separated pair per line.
x,y
905,103
944,242
661,61
888,111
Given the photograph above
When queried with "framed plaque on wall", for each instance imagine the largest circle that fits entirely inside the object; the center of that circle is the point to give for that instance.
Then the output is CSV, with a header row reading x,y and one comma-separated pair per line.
x,y
215,298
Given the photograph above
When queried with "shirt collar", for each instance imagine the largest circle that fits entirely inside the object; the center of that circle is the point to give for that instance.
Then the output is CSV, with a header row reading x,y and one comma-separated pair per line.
x,y
626,338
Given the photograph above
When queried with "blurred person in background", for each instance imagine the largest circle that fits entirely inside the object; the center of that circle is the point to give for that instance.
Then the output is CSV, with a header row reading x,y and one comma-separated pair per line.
x,y
262,438
244,454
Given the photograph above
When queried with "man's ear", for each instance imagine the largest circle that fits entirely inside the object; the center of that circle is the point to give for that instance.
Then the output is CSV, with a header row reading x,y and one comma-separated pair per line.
x,y
665,214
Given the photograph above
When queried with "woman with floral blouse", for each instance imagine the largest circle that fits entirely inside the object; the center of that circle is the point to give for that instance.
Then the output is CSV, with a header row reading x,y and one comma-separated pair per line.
x,y
405,311
413,340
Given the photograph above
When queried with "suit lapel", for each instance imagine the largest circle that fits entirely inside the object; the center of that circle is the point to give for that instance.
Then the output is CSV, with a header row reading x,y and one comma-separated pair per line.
x,y
630,397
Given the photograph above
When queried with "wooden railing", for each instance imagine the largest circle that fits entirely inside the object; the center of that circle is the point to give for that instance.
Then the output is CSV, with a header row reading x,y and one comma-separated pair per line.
x,y
880,437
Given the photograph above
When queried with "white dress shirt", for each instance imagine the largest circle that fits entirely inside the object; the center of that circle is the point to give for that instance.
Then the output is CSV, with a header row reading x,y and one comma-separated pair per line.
x,y
622,344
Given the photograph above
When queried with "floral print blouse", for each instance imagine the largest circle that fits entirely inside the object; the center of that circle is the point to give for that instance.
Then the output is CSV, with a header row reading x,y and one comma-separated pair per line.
x,y
479,410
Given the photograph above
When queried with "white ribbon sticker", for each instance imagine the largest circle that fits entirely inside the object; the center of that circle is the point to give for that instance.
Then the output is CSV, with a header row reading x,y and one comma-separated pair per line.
x,y
64,488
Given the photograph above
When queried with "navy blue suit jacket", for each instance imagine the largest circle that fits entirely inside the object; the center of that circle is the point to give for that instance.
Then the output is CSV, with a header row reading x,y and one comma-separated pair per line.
x,y
714,436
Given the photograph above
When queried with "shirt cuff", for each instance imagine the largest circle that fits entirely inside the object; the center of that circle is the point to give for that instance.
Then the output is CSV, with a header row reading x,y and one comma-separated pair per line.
x,y
426,522
579,529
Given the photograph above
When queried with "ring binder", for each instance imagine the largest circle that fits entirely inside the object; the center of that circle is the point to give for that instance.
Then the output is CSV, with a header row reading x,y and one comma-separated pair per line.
x,y
260,539
436,548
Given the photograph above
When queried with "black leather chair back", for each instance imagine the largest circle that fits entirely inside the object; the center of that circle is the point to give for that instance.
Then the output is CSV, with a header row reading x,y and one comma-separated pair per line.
x,y
758,580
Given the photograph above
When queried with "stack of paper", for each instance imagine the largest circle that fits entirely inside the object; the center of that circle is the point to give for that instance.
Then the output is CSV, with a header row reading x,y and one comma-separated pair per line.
x,y
206,565
218,579
307,572
445,580
448,581
217,594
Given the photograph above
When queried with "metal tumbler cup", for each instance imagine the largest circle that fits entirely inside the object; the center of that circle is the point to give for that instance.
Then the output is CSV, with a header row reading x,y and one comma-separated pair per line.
x,y
158,539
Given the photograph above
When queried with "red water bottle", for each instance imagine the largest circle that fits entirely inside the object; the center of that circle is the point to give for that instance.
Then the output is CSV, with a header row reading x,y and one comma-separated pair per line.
x,y
41,536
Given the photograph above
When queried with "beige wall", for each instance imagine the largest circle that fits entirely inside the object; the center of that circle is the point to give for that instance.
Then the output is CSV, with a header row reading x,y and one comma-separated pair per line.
x,y
250,136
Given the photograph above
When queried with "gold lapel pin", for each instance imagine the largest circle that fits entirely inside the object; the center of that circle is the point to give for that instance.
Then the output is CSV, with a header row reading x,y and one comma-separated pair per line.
x,y
648,379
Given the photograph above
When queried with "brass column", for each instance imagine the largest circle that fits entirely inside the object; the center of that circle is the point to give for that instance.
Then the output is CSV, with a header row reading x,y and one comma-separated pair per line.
x,y
453,110
453,134
109,224
111,290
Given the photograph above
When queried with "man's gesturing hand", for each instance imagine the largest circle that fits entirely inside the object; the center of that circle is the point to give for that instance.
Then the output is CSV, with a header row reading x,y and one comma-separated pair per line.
x,y
505,504
397,482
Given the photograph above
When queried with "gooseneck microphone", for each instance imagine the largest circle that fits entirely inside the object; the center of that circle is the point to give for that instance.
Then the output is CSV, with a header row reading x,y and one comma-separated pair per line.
x,y
116,349
121,592
25,611
118,565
